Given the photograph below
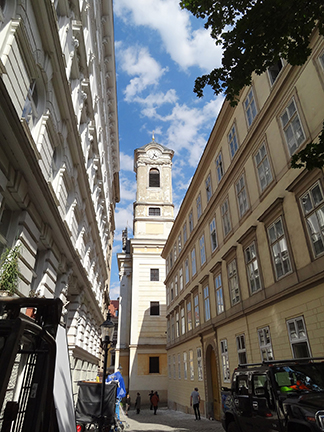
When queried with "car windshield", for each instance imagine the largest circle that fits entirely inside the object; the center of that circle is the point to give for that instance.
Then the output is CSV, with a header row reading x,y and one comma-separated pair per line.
x,y
300,377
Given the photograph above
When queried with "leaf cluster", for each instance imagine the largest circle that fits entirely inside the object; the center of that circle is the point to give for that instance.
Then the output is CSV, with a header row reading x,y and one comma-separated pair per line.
x,y
9,269
254,35
312,156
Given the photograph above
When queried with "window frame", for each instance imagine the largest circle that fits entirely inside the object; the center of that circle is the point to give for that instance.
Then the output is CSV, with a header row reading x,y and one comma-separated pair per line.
x,y
247,267
185,365
191,222
187,272
233,142
225,361
219,294
154,366
249,106
278,239
226,217
191,365
196,310
199,206
182,320
208,187
262,168
266,349
154,178
285,126
200,373
207,314
234,288
220,170
154,211
298,340
242,197
193,262
154,275
155,309
212,230
241,348
185,235
189,315
202,250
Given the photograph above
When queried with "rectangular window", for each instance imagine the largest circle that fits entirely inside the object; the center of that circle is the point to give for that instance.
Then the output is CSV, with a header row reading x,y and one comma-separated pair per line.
x,y
252,268
179,243
181,278
174,367
263,167
172,328
279,249
219,167
202,250
292,127
213,235
232,141
171,260
154,275
187,270
241,349
171,291
196,304
183,322
179,366
155,308
154,365
168,331
298,338
185,232
189,316
250,107
208,188
226,217
198,203
191,365
185,366
193,261
168,295
191,227
219,294
206,303
265,344
154,211
274,71
199,365
176,286
241,195
312,203
175,252
233,283
177,329
225,361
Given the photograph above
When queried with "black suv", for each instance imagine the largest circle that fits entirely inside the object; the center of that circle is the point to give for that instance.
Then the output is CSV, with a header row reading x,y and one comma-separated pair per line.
x,y
285,396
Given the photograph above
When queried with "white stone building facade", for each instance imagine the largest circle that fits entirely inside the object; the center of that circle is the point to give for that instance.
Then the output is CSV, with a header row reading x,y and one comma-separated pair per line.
x,y
141,343
59,158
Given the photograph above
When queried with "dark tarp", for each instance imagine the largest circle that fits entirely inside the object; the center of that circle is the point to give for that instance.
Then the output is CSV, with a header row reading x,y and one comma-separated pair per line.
x,y
88,404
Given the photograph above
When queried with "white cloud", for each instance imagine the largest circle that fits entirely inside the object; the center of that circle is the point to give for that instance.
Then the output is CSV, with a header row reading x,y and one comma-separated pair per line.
x,y
124,218
114,290
137,62
126,162
127,189
186,47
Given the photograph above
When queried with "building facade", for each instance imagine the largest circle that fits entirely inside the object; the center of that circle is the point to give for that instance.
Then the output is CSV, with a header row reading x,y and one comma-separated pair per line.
x,y
141,339
245,256
59,159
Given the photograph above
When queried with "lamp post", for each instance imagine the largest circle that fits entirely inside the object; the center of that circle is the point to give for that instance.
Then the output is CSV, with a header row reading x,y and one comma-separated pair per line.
x,y
107,331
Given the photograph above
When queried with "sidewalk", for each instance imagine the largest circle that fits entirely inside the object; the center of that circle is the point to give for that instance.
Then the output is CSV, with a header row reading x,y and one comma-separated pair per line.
x,y
169,421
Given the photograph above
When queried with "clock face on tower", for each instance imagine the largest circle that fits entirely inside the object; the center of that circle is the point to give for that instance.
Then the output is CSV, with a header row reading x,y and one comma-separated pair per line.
x,y
154,154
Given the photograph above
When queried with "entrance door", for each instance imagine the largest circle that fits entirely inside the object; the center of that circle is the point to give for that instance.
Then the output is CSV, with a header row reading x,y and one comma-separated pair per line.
x,y
214,384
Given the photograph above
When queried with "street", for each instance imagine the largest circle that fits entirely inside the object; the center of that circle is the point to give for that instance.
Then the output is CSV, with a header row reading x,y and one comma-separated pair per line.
x,y
169,421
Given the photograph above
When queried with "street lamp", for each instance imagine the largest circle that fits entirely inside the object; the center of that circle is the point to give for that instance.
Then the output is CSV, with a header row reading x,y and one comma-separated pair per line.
x,y
107,331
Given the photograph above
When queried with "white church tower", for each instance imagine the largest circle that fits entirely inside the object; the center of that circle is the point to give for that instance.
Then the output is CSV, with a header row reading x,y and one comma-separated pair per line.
x,y
142,315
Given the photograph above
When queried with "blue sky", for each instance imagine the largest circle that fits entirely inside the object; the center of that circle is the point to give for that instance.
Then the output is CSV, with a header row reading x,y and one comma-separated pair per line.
x,y
160,50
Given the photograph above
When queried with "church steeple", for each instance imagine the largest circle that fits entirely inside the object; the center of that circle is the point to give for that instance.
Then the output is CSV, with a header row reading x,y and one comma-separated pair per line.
x,y
153,208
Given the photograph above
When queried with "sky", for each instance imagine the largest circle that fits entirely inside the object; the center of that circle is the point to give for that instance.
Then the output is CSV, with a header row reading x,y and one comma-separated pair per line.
x,y
160,49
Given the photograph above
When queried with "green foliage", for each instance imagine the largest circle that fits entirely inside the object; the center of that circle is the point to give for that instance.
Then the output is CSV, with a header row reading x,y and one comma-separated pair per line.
x,y
312,156
254,35
9,269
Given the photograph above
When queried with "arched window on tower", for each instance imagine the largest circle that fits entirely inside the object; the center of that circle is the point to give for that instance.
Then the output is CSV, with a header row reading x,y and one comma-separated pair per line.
x,y
154,178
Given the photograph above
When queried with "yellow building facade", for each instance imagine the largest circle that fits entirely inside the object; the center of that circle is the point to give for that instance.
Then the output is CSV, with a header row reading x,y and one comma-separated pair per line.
x,y
245,256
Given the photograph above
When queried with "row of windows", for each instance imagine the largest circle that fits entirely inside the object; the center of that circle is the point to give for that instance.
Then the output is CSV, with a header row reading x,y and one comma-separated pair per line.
x,y
294,134
312,206
298,341
184,365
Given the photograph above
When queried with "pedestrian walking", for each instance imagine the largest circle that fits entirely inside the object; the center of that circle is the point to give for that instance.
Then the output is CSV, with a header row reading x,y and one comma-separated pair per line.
x,y
155,401
194,401
128,403
150,396
138,403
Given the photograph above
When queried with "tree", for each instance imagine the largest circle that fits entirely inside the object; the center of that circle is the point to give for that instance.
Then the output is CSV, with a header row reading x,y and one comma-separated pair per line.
x,y
254,35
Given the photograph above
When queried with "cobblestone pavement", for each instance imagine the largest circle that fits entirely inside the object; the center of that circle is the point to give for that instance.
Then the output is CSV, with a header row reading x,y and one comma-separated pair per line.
x,y
169,421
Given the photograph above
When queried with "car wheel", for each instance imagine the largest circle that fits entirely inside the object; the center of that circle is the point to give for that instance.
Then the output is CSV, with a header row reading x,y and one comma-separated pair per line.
x,y
232,427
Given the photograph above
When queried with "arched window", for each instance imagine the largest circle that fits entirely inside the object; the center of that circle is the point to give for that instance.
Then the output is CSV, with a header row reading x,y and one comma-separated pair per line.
x,y
154,180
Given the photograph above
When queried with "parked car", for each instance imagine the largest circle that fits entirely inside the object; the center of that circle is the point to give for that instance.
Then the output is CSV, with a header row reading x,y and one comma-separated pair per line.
x,y
284,396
